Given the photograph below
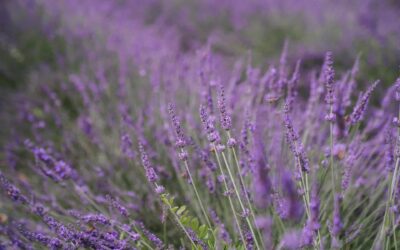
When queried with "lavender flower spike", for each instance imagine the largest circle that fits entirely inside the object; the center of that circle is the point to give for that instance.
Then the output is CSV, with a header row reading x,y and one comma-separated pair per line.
x,y
295,144
150,173
329,74
180,140
360,108
226,121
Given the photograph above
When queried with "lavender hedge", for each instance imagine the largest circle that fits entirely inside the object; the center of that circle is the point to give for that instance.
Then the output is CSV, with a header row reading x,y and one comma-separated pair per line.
x,y
128,134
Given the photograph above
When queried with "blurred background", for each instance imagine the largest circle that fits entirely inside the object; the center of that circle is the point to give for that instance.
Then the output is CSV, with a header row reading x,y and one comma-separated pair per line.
x,y
369,28
44,34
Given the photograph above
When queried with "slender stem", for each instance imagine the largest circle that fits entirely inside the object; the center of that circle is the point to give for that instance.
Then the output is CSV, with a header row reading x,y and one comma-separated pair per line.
x,y
242,183
181,225
138,231
331,156
240,200
229,197
333,178
197,195
394,231
390,201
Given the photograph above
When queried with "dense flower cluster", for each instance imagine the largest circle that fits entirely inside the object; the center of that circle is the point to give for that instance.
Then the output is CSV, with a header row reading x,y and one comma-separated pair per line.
x,y
137,137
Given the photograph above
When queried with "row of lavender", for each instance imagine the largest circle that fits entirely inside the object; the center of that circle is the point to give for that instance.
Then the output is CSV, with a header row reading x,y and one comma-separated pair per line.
x,y
134,144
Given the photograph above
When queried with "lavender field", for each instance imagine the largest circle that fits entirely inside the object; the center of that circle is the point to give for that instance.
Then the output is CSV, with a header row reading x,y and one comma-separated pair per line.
x,y
199,124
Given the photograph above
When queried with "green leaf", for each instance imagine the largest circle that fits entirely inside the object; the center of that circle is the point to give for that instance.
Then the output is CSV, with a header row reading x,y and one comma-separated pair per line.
x,y
184,220
181,210
194,224
202,231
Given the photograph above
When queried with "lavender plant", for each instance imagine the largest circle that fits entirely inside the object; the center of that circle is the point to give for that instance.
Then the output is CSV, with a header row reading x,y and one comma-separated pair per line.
x,y
133,139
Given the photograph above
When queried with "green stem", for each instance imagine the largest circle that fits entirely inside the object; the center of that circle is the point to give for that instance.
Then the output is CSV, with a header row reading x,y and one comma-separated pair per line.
x,y
246,194
197,195
229,197
240,200
179,222
390,201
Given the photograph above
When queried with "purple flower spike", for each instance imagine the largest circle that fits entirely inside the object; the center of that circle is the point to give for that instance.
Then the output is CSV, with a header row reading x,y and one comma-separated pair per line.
x,y
117,205
126,146
329,74
150,173
295,144
226,121
361,106
180,140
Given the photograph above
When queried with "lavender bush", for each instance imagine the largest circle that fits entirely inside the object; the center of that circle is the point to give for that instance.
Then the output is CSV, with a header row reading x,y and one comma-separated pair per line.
x,y
126,134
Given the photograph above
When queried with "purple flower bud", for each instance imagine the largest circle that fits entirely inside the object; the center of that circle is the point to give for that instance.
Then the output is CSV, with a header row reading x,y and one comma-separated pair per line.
x,y
329,74
210,185
213,137
180,143
389,149
361,106
231,142
183,155
126,146
220,178
222,231
115,204
228,192
245,213
180,140
160,189
12,191
295,144
150,173
96,218
225,119
149,235
330,117
220,148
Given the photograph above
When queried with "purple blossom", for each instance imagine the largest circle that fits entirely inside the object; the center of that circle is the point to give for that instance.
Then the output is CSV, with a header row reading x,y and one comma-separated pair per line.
x,y
329,75
180,138
126,146
150,173
208,124
225,118
361,106
117,205
390,145
231,142
295,144
96,218
12,191
152,237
